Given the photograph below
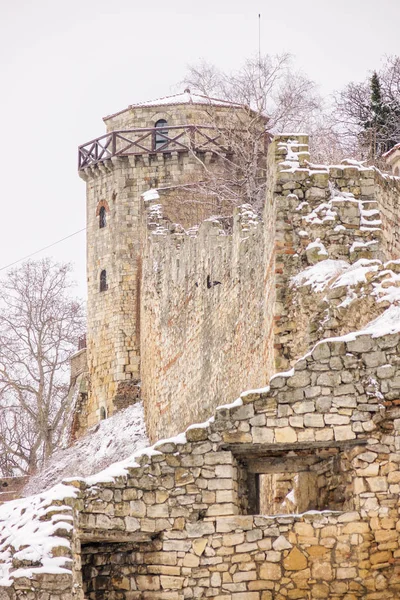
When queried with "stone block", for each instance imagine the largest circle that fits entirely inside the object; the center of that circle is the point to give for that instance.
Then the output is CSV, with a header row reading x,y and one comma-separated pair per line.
x,y
270,571
262,435
377,484
171,583
299,379
313,420
322,570
306,406
285,435
295,560
343,432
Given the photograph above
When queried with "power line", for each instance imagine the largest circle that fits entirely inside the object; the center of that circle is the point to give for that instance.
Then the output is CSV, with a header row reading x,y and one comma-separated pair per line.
x,y
41,249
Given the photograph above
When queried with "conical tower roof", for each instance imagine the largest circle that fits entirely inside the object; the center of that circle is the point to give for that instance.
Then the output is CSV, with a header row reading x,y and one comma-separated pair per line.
x,y
185,97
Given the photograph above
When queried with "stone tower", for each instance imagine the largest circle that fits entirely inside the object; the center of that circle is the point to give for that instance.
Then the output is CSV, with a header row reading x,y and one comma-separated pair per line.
x,y
159,143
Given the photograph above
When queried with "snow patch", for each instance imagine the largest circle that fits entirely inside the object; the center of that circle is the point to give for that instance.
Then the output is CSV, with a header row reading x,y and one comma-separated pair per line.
x,y
27,528
318,276
113,439
151,195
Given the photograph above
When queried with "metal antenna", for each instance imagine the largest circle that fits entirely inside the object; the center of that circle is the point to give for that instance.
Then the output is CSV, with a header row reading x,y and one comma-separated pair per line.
x,y
259,52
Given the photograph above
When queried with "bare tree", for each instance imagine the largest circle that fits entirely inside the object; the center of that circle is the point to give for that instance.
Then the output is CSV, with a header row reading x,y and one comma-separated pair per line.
x,y
40,324
268,85
267,95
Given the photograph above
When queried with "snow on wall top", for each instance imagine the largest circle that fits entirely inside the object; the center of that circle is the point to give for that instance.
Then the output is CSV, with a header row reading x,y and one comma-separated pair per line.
x,y
34,527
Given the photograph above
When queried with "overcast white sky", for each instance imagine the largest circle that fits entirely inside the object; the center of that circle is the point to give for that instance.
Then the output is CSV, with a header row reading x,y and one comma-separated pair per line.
x,y
67,63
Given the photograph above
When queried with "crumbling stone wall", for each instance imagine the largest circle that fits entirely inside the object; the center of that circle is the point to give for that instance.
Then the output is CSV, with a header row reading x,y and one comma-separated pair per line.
x,y
181,514
206,325
387,195
78,393
340,399
312,213
78,364
322,213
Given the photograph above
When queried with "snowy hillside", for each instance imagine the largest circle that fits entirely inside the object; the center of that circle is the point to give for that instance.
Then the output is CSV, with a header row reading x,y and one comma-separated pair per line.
x,y
111,440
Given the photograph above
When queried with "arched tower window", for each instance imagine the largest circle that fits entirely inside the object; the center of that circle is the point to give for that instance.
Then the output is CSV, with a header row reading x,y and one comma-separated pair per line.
x,y
103,413
160,134
102,217
103,281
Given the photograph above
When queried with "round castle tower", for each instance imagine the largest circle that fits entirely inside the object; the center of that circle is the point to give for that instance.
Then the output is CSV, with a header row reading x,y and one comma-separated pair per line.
x,y
163,143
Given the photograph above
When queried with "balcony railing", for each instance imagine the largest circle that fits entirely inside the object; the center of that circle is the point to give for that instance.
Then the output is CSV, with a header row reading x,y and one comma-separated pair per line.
x,y
154,140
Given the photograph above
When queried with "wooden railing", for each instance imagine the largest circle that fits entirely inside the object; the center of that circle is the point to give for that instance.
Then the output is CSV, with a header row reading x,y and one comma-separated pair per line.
x,y
154,140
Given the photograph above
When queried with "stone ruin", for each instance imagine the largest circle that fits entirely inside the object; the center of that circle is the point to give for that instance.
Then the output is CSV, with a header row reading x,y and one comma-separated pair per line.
x,y
291,492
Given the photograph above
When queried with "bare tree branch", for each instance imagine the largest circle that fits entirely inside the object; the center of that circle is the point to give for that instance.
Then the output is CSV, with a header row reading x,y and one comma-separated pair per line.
x,y
267,95
39,327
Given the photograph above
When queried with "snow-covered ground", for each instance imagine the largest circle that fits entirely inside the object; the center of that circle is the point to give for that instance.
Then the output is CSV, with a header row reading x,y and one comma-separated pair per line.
x,y
112,440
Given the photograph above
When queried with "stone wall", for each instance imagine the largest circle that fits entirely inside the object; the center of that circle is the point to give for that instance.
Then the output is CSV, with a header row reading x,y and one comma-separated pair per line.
x,y
206,316
181,520
78,393
312,213
340,400
322,213
78,364
387,194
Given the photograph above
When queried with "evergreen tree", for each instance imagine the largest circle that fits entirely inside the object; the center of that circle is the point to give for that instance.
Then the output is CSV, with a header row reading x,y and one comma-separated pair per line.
x,y
383,122
367,113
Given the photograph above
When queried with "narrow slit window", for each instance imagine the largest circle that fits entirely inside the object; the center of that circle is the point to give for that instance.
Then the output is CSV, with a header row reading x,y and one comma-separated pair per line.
x,y
161,134
103,281
102,217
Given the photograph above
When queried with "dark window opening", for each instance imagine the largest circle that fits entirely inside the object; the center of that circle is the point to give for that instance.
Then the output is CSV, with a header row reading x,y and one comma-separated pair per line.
x,y
103,281
102,217
161,134
103,413
275,486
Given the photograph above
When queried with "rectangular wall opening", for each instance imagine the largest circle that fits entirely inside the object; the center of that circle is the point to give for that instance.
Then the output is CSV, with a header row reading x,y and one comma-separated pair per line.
x,y
287,493
295,483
